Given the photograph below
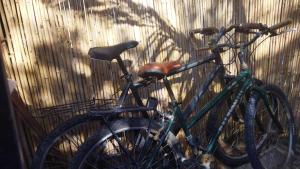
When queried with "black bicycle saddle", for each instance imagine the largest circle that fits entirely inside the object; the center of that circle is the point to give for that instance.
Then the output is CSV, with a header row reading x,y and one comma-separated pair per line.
x,y
111,52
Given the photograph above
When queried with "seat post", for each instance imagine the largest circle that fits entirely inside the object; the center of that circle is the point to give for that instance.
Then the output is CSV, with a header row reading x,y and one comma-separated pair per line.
x,y
122,66
128,78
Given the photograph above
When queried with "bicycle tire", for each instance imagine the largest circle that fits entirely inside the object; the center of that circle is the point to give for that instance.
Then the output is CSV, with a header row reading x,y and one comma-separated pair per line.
x,y
42,151
212,124
250,134
118,127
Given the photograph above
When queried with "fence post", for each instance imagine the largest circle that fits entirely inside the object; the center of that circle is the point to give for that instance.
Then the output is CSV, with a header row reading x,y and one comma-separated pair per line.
x,y
11,156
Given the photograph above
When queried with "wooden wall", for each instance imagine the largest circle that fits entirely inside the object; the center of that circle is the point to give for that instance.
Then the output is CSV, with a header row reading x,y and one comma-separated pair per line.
x,y
46,42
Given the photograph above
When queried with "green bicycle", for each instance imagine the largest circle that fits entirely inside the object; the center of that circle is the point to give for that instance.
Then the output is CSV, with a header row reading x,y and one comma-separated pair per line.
x,y
148,143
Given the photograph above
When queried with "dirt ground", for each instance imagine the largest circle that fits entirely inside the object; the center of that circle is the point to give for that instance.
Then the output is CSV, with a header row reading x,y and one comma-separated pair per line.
x,y
274,155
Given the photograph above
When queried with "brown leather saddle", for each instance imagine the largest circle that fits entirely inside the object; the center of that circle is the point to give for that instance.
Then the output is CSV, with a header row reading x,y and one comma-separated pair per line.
x,y
111,52
158,70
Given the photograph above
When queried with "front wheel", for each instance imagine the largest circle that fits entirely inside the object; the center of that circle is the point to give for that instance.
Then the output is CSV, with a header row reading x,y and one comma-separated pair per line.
x,y
231,148
279,145
128,144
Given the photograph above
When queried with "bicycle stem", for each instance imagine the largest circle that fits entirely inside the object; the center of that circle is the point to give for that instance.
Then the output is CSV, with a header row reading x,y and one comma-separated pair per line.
x,y
241,55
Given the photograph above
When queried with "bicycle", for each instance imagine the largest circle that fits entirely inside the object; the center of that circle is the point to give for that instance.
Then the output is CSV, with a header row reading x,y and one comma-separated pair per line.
x,y
69,134
146,143
51,151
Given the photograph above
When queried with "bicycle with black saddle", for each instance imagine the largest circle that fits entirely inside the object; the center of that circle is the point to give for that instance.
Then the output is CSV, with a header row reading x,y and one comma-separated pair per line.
x,y
59,146
151,143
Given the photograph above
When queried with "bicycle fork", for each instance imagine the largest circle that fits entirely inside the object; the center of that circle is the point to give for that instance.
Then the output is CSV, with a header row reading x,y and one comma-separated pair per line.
x,y
270,109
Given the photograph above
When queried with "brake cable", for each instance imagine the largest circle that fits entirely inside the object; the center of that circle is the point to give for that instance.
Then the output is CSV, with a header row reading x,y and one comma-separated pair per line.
x,y
233,59
258,45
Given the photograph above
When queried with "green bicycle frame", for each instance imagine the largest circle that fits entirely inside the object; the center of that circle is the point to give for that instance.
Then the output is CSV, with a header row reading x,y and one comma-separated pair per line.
x,y
243,82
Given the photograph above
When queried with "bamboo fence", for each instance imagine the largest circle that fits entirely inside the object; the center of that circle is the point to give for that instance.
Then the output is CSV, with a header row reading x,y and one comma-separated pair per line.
x,y
45,45
46,42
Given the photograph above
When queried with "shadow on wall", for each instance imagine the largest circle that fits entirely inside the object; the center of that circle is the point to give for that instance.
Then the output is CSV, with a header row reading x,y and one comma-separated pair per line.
x,y
67,75
70,75
165,39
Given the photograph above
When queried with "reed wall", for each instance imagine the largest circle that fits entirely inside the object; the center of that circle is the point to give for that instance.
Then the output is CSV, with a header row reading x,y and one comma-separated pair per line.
x,y
45,44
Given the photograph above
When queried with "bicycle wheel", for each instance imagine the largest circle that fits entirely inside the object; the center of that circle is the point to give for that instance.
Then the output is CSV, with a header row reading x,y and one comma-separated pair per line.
x,y
131,146
56,150
59,146
278,149
231,148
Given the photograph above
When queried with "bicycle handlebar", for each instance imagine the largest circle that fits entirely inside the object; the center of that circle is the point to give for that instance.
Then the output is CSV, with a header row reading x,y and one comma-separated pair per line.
x,y
280,25
246,27
265,30
259,26
242,28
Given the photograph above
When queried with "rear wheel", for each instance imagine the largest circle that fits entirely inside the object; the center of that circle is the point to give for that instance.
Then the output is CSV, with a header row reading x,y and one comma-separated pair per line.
x,y
278,149
59,146
131,146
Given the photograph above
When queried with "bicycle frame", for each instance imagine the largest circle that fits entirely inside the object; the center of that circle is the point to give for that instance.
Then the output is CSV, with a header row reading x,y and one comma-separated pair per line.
x,y
243,82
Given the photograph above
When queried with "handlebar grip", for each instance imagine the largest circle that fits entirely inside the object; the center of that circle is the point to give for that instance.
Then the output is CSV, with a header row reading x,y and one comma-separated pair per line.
x,y
246,27
280,25
253,26
205,31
